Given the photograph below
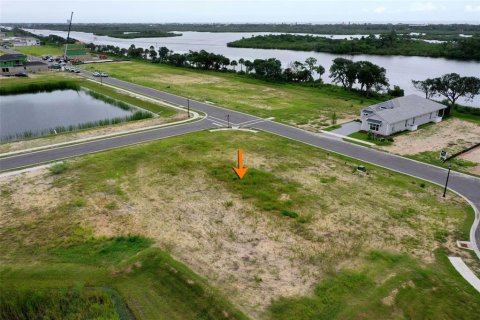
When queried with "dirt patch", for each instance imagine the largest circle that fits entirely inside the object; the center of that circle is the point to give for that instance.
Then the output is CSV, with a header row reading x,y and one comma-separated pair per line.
x,y
452,135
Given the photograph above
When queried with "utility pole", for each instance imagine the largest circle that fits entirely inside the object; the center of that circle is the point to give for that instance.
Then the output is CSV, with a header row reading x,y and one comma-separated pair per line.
x,y
68,35
446,182
188,108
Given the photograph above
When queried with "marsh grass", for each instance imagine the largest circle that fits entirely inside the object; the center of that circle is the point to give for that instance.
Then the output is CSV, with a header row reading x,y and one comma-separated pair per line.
x,y
56,304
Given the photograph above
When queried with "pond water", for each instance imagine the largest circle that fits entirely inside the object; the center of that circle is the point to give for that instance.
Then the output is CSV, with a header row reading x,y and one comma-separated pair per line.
x,y
400,69
39,113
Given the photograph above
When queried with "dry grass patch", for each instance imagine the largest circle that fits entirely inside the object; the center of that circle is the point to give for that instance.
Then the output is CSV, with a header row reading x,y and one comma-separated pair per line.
x,y
452,135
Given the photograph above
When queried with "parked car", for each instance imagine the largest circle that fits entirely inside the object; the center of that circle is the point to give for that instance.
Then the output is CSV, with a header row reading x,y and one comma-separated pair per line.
x,y
50,60
77,70
21,74
103,74
96,74
67,69
55,66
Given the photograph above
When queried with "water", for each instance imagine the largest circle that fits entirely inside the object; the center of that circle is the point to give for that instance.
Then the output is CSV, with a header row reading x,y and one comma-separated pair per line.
x,y
400,69
38,112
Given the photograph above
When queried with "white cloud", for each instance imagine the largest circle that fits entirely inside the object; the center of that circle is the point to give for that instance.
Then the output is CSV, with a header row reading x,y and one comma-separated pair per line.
x,y
380,10
471,8
425,7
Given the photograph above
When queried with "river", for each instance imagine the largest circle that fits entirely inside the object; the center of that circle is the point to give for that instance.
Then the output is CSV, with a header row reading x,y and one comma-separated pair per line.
x,y
400,69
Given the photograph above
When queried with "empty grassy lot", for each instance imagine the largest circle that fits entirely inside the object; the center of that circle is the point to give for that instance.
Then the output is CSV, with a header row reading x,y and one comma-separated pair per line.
x,y
307,107
165,114
302,236
44,50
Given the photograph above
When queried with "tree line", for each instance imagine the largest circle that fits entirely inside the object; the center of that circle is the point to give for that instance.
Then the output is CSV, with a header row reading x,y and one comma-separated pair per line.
x,y
369,77
390,43
451,86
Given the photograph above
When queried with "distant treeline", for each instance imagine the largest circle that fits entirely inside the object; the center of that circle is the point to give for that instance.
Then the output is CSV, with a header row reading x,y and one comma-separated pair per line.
x,y
390,43
50,39
339,28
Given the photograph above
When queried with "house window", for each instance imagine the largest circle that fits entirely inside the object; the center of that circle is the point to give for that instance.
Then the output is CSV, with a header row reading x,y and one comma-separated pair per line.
x,y
406,123
4,69
374,126
413,121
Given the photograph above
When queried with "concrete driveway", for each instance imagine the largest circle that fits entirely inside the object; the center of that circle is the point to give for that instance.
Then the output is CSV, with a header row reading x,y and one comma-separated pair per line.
x,y
348,128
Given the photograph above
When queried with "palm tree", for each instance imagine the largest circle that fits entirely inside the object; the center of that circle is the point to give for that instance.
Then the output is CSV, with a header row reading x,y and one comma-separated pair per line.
x,y
234,64
241,61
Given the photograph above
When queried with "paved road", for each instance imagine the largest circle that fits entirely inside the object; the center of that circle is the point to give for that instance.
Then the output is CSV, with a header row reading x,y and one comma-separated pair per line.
x,y
217,116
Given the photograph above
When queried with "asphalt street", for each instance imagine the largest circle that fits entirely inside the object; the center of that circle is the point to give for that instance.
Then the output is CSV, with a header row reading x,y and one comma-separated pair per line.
x,y
466,185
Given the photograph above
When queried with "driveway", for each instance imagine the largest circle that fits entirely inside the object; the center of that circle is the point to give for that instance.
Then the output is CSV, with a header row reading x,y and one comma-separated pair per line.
x,y
348,128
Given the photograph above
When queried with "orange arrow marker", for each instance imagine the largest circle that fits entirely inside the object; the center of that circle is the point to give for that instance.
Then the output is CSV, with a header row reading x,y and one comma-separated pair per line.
x,y
240,170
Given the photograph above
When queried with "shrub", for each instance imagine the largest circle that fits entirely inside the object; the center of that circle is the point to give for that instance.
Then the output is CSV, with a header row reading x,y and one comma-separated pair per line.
x,y
58,168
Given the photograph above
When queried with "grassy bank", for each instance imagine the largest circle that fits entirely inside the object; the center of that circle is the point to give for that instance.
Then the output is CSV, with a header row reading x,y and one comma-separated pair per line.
x,y
301,218
300,105
43,50
60,81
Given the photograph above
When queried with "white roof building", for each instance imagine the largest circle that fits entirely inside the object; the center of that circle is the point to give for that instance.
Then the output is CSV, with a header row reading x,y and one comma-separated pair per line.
x,y
399,114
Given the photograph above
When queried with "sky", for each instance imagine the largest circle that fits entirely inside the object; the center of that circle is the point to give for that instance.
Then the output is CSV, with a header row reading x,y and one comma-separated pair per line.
x,y
265,11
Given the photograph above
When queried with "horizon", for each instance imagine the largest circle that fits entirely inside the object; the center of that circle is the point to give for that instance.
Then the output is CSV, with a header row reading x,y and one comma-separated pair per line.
x,y
242,11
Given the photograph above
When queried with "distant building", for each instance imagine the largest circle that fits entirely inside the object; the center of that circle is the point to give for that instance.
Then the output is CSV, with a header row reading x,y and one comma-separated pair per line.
x,y
20,41
400,114
11,64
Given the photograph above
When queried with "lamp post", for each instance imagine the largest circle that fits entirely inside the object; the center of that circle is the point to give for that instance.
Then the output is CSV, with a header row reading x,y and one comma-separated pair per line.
x,y
446,182
188,108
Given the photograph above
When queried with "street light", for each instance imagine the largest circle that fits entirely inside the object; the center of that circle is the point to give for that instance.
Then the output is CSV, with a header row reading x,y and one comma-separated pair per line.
x,y
188,108
446,182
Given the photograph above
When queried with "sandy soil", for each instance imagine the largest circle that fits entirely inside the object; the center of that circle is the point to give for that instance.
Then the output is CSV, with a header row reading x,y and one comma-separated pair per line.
x,y
452,135
473,156
253,256
89,133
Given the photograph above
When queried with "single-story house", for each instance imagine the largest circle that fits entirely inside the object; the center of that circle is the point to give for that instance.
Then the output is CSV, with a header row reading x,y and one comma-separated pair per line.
x,y
399,114
21,41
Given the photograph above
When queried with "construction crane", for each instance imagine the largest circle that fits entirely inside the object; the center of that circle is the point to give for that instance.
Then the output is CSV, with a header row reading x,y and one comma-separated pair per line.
x,y
68,36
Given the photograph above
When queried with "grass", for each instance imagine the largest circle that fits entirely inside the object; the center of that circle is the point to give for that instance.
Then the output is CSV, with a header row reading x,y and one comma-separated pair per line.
x,y
75,303
48,82
154,285
288,103
302,190
43,50
398,281
433,157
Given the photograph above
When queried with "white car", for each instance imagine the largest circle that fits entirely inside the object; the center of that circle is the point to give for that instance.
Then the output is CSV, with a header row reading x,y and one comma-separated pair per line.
x,y
96,74
103,74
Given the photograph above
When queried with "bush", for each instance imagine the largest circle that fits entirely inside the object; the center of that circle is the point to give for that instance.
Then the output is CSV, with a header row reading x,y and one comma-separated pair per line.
x,y
58,168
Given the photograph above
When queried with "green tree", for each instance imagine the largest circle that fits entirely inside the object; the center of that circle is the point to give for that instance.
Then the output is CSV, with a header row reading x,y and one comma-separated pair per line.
x,y
234,63
241,62
343,71
452,86
426,86
153,53
371,76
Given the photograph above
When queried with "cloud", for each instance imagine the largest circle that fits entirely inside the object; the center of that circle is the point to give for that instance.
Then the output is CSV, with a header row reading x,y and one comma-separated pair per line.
x,y
380,10
425,7
471,8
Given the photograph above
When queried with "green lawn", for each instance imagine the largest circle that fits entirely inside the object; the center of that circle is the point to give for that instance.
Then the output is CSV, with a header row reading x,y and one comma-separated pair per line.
x,y
288,103
313,204
43,50
364,136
